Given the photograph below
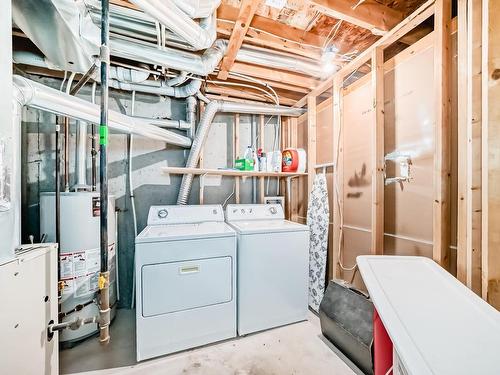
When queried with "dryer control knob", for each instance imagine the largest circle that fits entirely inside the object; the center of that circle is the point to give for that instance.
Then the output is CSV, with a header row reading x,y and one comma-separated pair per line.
x,y
273,210
163,213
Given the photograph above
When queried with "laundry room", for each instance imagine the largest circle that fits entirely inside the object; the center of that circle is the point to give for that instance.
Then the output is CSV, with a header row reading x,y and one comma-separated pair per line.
x,y
249,187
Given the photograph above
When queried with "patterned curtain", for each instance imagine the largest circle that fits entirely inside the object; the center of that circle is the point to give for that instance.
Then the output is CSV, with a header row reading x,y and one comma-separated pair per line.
x,y
318,218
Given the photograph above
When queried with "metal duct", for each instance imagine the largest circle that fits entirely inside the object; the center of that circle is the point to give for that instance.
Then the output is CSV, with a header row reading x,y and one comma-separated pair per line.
x,y
170,57
160,88
171,16
61,29
207,118
137,25
115,72
166,123
36,95
279,60
197,8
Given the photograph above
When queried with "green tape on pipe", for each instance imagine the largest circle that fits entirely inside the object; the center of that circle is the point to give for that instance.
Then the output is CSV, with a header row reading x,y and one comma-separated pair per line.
x,y
103,135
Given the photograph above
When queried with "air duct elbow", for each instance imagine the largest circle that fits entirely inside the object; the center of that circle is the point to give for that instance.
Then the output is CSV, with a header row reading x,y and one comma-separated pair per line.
x,y
169,14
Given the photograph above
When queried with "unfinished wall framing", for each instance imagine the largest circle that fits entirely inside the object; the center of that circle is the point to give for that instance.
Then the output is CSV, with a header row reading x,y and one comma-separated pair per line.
x,y
392,110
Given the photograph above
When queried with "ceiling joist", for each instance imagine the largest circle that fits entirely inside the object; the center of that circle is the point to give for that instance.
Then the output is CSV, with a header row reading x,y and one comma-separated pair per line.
x,y
367,14
245,15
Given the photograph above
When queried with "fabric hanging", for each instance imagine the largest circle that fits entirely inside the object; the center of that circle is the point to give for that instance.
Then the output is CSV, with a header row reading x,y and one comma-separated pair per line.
x,y
318,219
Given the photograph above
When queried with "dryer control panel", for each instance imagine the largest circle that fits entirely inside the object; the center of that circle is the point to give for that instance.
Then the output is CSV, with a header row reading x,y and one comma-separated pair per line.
x,y
160,215
238,212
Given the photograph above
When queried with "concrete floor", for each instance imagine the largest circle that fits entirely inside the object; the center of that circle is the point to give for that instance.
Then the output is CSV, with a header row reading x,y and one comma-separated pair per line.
x,y
294,349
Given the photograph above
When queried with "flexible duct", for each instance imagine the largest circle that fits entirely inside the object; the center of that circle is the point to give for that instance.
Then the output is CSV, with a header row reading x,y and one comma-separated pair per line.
x,y
207,118
167,13
36,95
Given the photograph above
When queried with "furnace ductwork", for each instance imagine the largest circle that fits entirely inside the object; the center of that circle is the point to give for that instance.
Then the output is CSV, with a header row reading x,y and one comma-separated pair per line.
x,y
204,126
167,13
36,95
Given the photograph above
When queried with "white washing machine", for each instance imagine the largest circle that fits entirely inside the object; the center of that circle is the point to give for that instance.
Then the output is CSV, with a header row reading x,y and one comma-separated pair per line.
x,y
185,263
273,263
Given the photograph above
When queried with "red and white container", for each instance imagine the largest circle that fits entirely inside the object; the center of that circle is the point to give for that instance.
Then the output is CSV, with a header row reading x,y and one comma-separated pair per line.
x,y
294,160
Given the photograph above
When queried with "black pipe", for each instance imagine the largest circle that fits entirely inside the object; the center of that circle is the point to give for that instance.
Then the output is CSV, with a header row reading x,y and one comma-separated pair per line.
x,y
103,133
104,308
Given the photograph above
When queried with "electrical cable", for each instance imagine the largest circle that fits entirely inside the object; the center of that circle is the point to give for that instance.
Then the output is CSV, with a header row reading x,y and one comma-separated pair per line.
x,y
339,208
132,197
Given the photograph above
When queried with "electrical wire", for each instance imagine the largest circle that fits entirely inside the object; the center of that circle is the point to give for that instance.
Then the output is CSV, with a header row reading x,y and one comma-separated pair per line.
x,y
224,83
339,208
131,188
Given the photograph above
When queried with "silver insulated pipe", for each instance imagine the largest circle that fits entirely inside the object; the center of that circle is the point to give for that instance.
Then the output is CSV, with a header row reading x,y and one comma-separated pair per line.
x,y
36,95
206,120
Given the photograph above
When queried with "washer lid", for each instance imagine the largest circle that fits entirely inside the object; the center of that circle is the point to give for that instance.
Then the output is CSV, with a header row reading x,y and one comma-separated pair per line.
x,y
157,233
267,226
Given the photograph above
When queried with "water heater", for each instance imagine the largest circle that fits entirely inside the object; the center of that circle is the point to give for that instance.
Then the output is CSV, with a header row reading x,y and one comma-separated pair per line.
x,y
79,255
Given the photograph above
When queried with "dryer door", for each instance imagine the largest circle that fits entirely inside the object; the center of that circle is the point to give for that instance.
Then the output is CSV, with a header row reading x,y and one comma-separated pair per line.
x,y
177,286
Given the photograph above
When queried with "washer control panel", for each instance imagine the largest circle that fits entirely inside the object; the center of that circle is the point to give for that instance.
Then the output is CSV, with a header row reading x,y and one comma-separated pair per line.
x,y
235,212
159,215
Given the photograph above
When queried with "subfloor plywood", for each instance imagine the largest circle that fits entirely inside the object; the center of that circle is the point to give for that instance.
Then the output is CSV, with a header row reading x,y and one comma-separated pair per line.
x,y
294,349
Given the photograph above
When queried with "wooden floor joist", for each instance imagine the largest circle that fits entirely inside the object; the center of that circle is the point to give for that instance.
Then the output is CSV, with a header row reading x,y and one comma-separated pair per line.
x,y
245,15
368,15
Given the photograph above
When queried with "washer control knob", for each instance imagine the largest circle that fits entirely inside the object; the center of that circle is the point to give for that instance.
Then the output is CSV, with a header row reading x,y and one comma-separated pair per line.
x,y
214,211
163,213
273,210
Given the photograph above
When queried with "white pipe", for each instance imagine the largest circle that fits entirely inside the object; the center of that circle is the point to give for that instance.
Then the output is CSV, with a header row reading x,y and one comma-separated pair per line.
x,y
159,88
170,15
81,156
211,110
36,95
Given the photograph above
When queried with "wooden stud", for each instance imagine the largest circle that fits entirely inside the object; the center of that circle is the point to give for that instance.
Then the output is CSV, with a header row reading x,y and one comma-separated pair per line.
x,y
463,162
294,209
236,151
262,144
378,153
311,142
442,134
490,150
245,15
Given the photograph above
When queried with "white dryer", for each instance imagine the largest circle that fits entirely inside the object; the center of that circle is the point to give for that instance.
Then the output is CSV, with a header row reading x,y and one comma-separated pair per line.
x,y
185,263
273,263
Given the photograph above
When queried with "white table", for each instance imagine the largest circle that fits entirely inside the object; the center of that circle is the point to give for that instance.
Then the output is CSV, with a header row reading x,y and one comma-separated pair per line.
x,y
437,325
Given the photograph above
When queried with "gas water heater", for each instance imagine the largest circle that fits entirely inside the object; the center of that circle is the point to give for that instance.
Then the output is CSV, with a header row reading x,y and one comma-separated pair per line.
x,y
79,256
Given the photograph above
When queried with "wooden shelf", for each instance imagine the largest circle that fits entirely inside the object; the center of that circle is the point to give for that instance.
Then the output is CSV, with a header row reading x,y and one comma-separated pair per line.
x,y
228,172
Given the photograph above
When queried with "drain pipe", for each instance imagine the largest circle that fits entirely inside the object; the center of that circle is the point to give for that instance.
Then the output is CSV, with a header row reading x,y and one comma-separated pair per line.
x,y
104,308
207,118
191,105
